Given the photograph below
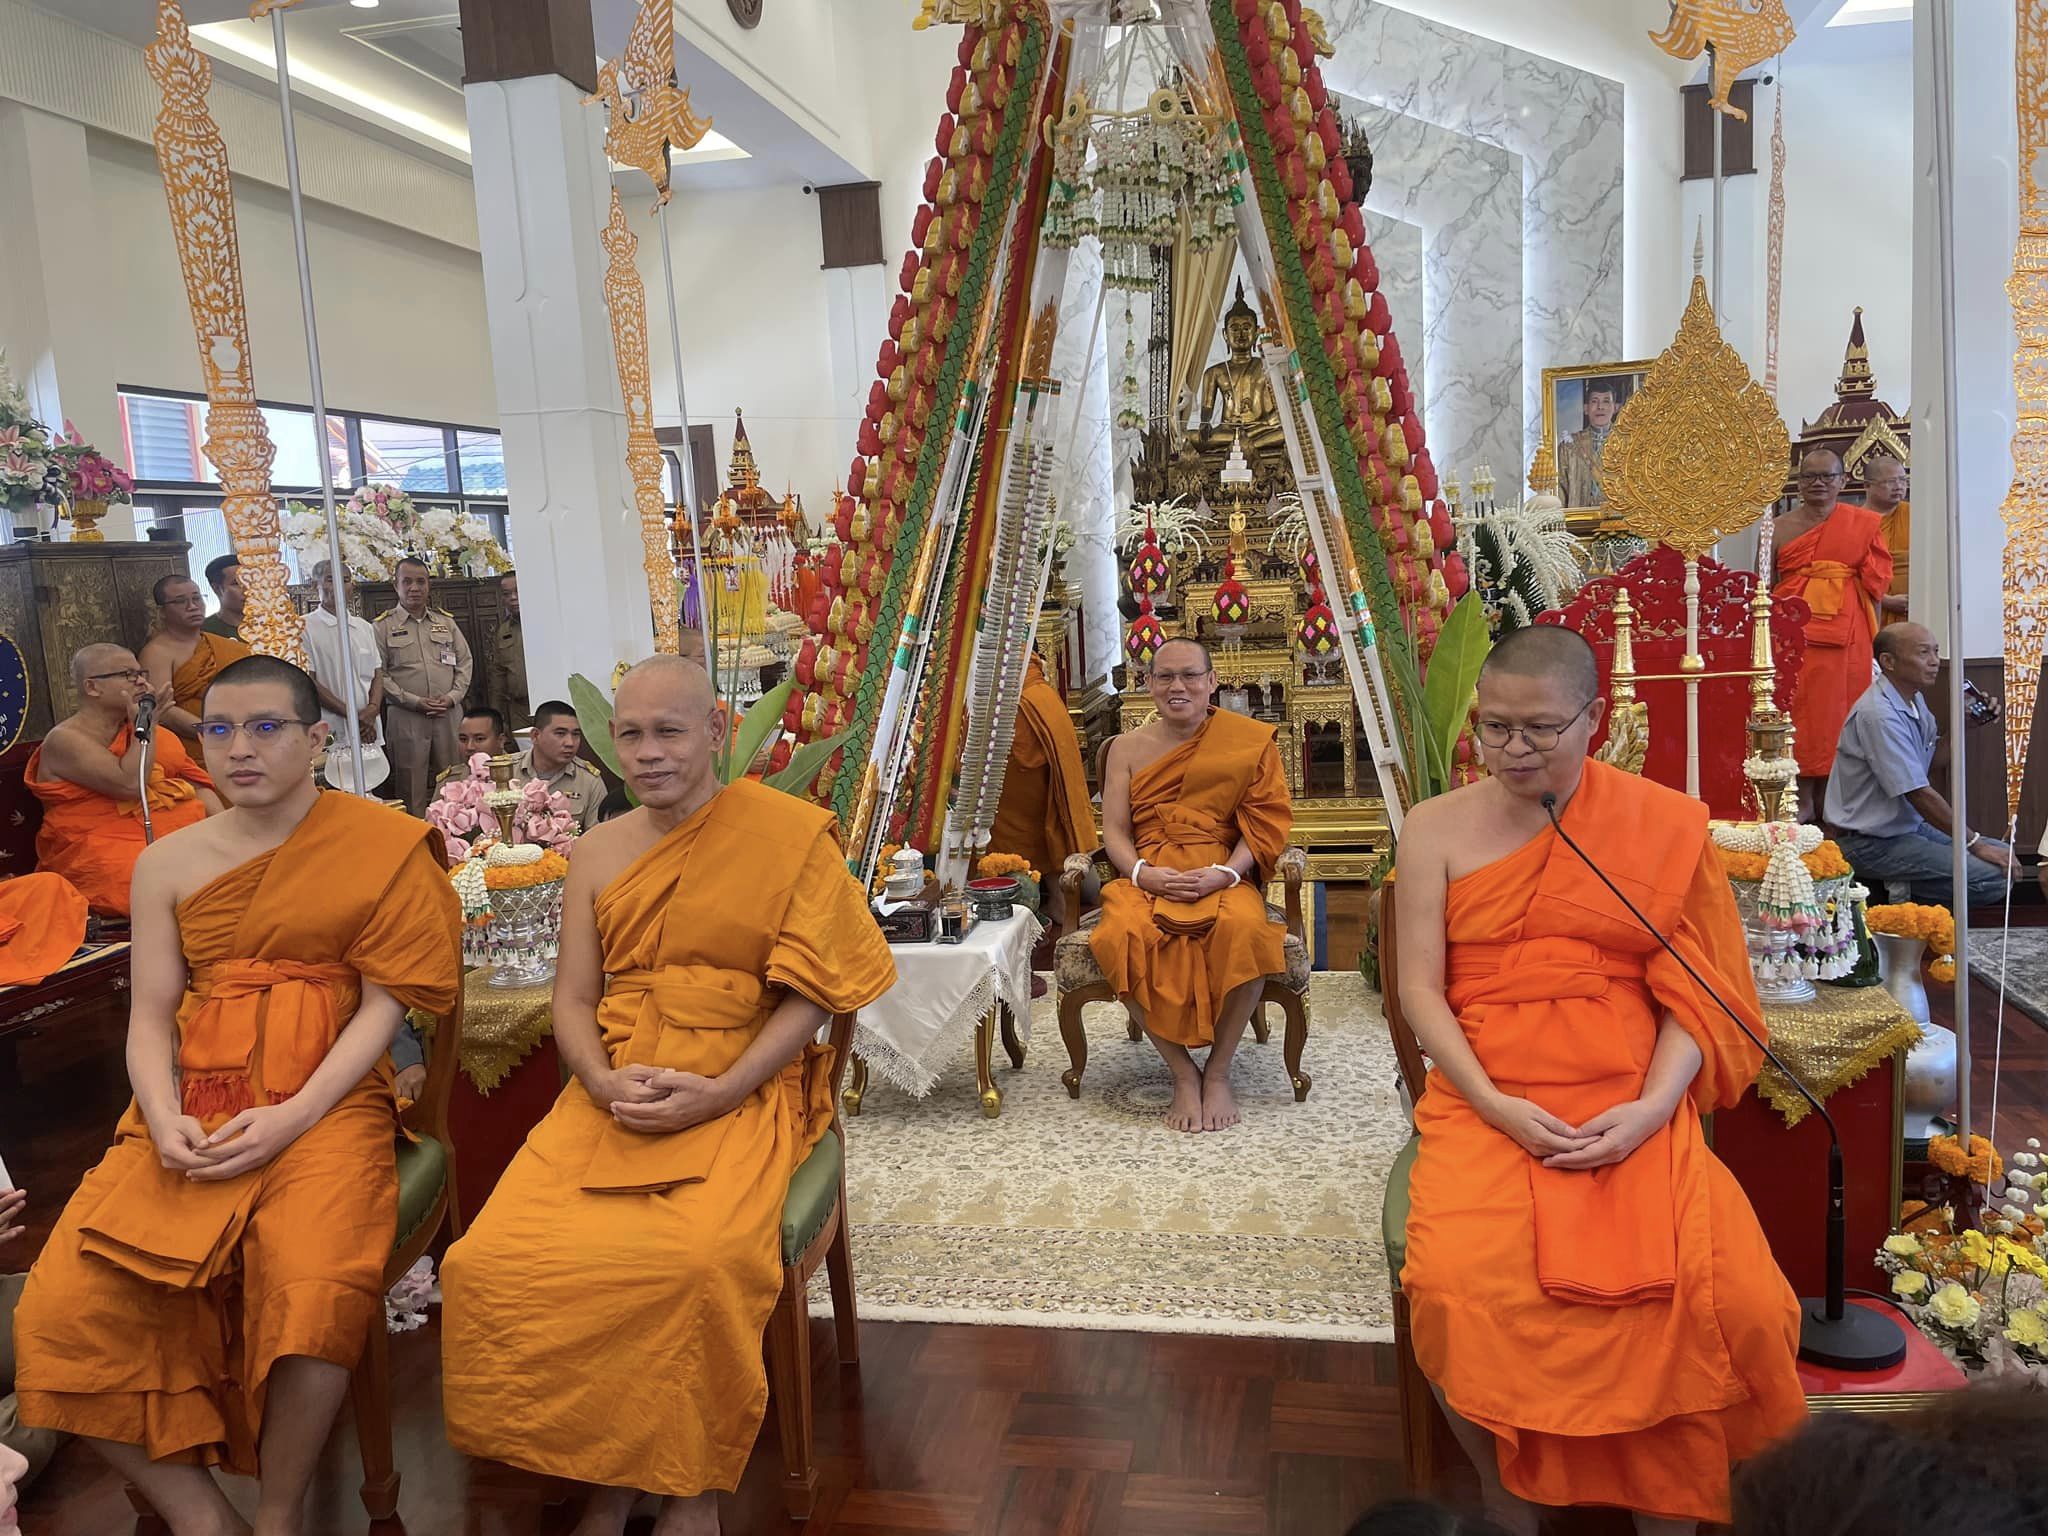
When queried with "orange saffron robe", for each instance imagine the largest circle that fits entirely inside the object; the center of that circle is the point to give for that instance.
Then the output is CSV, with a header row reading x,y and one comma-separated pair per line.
x,y
1178,960
1896,527
196,672
159,1307
603,1314
1044,815
42,924
1841,567
93,840
1623,1332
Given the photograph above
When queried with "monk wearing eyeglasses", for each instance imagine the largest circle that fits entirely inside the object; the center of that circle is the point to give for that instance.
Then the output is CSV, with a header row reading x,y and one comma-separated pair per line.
x,y
1195,816
183,657
1590,1294
87,772
1833,554
211,1284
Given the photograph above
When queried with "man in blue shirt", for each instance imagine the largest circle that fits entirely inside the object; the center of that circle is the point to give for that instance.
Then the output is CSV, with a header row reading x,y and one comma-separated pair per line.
x,y
1891,824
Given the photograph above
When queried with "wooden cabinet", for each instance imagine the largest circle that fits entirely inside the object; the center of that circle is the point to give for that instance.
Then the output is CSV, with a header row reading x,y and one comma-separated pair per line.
x,y
55,598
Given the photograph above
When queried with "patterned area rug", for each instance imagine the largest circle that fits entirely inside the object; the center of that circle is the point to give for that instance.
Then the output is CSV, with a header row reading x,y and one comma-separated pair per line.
x,y
2021,957
1092,1214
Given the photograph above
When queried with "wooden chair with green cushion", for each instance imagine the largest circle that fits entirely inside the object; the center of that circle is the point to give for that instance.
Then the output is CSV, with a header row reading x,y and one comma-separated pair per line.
x,y
1425,1433
814,1232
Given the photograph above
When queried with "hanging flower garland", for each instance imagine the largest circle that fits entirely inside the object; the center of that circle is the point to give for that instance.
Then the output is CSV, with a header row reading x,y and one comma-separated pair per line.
x,y
1786,897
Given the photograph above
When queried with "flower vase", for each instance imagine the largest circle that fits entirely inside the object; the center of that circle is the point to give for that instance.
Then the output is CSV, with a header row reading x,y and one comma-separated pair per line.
x,y
85,520
1930,1091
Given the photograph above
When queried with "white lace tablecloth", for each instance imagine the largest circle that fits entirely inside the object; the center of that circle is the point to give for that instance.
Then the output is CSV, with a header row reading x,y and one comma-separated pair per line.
x,y
942,991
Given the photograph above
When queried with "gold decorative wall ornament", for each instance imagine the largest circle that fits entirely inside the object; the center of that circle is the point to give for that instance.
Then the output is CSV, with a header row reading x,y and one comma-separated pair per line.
x,y
194,163
1700,451
625,297
2026,502
645,111
1740,37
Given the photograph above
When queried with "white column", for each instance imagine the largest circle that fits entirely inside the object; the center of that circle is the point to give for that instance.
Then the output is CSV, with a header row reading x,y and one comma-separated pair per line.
x,y
1987,226
54,278
542,194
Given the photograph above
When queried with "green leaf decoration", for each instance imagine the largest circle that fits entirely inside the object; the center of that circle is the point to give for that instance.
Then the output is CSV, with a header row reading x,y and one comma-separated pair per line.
x,y
805,763
751,731
594,714
1461,648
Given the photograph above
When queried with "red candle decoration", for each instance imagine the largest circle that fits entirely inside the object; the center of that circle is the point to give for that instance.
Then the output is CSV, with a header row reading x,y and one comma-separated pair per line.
x,y
1146,634
1318,633
1233,603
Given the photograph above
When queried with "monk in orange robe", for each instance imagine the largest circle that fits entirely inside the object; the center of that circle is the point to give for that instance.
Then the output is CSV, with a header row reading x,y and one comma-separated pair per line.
x,y
182,657
42,925
1884,492
604,1313
1590,1293
210,1286
1195,815
1044,815
1832,554
86,774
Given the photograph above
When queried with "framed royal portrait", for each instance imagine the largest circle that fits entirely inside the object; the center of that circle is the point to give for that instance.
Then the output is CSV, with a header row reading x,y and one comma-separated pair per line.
x,y
1580,406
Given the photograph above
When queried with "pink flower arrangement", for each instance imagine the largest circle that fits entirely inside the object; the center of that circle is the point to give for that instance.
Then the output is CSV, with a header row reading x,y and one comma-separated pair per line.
x,y
462,811
86,474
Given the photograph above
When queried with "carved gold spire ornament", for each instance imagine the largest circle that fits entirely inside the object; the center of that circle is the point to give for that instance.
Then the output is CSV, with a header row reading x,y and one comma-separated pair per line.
x,y
645,111
194,163
1740,38
2026,502
1774,240
625,297
1701,449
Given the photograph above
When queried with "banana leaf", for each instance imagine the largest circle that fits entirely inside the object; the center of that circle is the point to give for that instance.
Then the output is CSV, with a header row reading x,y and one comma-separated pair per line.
x,y
804,765
751,731
594,714
1461,648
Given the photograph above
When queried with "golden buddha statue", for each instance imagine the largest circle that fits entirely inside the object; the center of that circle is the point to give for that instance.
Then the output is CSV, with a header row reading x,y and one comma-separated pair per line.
x,y
1239,383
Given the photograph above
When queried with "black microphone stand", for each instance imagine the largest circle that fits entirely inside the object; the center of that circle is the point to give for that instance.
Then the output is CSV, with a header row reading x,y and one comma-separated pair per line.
x,y
1831,1333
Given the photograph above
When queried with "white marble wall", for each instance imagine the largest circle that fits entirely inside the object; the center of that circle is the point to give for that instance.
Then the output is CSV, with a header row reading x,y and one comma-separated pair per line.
x,y
1561,130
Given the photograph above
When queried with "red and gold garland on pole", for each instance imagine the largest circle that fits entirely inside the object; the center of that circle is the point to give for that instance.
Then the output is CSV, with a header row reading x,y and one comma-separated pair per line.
x,y
2026,503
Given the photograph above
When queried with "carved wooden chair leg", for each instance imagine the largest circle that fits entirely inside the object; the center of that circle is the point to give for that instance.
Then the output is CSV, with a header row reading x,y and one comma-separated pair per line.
x,y
839,1271
1260,1031
1419,1412
1074,1036
1132,1027
789,1381
1294,1008
369,1390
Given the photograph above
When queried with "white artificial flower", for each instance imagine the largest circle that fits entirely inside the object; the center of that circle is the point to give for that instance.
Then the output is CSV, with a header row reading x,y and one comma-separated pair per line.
x,y
1903,1244
1954,1307
1909,1284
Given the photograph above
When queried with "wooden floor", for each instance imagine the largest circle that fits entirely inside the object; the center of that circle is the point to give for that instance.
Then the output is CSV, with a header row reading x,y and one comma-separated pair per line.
x,y
943,1428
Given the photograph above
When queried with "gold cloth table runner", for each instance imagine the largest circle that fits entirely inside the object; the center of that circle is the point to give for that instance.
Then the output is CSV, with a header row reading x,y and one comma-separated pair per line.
x,y
501,1026
1830,1042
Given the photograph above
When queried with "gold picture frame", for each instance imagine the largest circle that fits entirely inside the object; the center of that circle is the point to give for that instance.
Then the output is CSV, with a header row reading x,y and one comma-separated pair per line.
x,y
1581,515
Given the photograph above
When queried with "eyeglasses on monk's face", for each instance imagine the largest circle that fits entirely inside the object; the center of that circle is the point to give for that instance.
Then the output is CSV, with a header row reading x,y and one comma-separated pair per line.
x,y
1539,736
1819,474
1184,675
262,730
133,674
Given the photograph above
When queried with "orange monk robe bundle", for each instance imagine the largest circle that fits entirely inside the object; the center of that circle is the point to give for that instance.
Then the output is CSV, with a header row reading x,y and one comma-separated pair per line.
x,y
1624,1332
604,1312
1044,815
42,924
161,1304
1841,567
1179,960
93,840
195,674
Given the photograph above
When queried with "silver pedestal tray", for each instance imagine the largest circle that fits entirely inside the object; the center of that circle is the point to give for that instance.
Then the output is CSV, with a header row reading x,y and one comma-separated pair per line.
x,y
521,935
1767,942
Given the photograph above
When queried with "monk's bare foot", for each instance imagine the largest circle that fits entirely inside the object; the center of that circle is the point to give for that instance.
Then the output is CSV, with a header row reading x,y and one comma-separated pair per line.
x,y
606,1512
1219,1104
689,1517
1185,1112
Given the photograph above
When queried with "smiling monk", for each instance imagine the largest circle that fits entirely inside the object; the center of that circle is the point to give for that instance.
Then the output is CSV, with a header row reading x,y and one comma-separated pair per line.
x,y
1592,1297
210,1286
1195,815
604,1314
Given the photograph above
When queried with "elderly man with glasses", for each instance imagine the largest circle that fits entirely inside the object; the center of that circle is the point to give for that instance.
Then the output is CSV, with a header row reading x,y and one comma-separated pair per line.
x,y
87,773
1832,554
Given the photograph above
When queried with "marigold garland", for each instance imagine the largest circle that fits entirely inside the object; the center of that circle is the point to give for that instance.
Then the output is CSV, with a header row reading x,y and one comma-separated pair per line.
x,y
518,877
994,866
1946,1154
1934,926
1824,863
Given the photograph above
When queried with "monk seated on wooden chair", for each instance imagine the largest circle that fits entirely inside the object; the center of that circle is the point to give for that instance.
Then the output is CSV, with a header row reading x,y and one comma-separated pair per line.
x,y
210,1286
1195,817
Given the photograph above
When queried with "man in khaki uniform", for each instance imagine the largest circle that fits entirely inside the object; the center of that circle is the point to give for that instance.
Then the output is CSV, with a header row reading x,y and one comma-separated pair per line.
x,y
482,730
510,643
427,668
557,738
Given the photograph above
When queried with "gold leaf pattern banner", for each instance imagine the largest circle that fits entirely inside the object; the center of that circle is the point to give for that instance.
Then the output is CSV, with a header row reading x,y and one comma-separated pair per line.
x,y
194,162
2026,502
638,131
1699,451
625,296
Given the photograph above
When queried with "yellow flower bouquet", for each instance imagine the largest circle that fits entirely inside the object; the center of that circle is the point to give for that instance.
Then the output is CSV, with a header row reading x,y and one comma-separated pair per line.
x,y
1030,884
1981,1293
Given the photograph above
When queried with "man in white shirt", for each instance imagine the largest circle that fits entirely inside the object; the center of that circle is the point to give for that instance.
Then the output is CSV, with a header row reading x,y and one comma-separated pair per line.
x,y
323,656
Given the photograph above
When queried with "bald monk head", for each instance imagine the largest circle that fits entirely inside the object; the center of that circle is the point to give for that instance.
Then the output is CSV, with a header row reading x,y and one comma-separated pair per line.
x,y
1884,483
1820,479
261,733
180,610
1182,682
668,728
108,680
1539,706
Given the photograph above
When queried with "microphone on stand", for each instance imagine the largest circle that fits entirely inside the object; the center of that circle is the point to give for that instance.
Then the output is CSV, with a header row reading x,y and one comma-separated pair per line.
x,y
145,742
1831,1333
